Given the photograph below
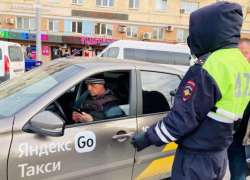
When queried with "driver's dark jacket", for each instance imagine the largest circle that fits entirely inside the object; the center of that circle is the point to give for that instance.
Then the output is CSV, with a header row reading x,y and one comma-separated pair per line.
x,y
103,107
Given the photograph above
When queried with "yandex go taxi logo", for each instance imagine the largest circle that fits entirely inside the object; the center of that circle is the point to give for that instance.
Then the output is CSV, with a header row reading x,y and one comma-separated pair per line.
x,y
85,142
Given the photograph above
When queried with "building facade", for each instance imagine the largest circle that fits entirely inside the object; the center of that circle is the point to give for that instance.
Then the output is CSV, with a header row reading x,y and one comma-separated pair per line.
x,y
90,25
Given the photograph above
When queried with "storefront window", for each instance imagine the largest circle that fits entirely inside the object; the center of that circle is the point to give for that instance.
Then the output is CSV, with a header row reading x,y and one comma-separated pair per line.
x,y
76,51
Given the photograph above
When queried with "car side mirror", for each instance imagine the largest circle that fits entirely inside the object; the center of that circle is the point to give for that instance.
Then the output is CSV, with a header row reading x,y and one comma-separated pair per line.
x,y
45,123
172,94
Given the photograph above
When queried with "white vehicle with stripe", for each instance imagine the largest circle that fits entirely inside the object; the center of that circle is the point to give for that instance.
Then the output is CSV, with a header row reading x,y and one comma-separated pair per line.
x,y
11,60
160,53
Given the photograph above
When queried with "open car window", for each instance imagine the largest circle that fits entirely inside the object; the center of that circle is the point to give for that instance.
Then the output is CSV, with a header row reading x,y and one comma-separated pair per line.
x,y
19,92
116,84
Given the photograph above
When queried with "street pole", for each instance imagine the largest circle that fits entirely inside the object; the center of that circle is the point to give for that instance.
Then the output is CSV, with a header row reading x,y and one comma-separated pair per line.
x,y
38,30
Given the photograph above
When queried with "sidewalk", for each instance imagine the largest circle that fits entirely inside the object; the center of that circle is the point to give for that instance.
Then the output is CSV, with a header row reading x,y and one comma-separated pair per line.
x,y
227,176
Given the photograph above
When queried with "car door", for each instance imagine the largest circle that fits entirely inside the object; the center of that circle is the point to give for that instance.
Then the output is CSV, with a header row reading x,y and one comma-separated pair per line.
x,y
93,151
6,136
155,101
16,61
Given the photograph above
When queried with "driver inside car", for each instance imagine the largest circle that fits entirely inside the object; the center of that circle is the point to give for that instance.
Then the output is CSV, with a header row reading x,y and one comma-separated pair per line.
x,y
100,104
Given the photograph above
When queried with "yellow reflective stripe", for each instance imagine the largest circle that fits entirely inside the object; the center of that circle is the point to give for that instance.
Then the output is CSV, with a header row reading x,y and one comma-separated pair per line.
x,y
159,166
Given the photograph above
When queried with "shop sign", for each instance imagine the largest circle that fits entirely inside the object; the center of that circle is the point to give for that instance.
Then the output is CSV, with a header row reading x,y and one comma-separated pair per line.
x,y
95,41
104,15
22,36
29,8
45,50
29,36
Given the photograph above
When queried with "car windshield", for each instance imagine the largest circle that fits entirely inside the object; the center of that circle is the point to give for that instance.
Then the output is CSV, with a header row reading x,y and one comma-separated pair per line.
x,y
17,93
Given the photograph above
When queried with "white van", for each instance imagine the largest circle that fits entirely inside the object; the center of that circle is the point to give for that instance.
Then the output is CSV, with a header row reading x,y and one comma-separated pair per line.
x,y
160,53
11,60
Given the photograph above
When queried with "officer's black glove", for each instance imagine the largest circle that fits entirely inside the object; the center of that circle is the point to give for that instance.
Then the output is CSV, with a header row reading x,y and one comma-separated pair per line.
x,y
141,141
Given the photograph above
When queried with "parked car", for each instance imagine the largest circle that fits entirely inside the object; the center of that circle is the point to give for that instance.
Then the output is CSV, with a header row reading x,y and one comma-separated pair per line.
x,y
31,63
40,141
11,60
154,52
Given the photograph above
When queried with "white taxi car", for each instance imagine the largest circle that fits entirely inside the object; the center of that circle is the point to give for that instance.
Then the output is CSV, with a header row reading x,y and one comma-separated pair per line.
x,y
40,141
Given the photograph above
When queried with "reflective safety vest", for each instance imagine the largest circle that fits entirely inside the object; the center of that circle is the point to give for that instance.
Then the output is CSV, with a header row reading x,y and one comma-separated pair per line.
x,y
220,80
236,96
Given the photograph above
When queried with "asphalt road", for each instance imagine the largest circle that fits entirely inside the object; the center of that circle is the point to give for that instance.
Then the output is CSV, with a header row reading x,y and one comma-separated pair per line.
x,y
227,176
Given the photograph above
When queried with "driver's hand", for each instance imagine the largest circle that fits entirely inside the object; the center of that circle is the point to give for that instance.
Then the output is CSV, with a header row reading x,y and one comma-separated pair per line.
x,y
84,117
75,117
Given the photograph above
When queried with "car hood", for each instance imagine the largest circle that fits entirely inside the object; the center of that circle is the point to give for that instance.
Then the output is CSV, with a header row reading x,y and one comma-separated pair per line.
x,y
31,60
6,125
214,27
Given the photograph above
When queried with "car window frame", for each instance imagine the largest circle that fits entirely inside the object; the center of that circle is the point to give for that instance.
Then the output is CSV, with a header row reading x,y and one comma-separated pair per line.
x,y
10,56
139,93
132,100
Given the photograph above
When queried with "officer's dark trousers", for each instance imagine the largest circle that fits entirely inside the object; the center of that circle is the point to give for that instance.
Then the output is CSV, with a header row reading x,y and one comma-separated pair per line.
x,y
199,165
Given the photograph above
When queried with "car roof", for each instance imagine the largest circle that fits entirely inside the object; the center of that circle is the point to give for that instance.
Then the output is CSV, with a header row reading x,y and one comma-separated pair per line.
x,y
95,62
9,43
150,43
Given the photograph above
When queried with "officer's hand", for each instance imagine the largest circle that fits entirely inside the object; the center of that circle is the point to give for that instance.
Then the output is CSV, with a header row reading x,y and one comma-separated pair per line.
x,y
141,141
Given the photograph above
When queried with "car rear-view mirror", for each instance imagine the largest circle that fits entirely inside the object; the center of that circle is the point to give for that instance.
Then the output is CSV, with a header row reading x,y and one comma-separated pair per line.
x,y
45,123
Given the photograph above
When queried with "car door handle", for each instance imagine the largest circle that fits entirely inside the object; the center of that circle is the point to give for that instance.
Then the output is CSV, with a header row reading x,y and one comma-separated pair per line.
x,y
122,137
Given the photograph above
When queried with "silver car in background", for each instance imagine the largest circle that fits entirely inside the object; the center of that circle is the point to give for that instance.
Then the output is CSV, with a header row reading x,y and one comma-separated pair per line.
x,y
40,141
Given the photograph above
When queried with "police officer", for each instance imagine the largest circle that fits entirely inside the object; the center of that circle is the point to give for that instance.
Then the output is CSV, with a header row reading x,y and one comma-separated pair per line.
x,y
217,84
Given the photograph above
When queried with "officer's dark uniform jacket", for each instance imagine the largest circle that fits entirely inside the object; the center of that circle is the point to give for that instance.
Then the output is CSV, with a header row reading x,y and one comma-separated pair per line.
x,y
217,79
102,107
